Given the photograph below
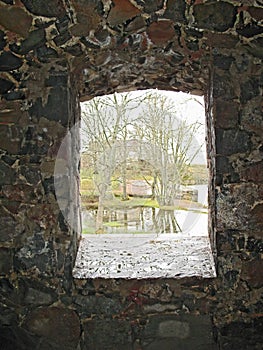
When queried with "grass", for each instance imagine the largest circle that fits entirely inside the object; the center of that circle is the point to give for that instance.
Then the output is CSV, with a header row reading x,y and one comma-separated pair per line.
x,y
113,224
88,230
131,203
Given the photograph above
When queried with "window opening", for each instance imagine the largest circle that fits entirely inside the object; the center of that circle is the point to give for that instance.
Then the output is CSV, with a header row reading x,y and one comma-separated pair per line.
x,y
144,186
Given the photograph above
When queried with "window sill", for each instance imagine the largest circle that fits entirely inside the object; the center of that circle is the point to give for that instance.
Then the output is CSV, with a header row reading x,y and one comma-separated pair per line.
x,y
141,256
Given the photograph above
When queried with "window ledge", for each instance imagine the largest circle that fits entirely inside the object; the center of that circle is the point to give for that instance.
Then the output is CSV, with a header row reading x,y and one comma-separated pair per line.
x,y
132,256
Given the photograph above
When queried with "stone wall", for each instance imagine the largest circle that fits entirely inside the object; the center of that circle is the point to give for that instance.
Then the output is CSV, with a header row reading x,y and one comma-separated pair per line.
x,y
56,53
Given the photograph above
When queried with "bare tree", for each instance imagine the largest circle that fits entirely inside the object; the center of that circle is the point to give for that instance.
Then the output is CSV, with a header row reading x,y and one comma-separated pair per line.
x,y
172,151
107,122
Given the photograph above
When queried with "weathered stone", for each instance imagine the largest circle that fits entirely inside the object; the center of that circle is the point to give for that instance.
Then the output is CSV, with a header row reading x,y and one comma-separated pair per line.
x,y
15,95
223,62
255,47
152,6
9,61
232,141
16,338
224,88
32,174
7,174
45,53
250,30
19,193
62,39
46,8
226,114
230,334
88,305
254,245
6,261
34,40
253,173
251,118
175,10
57,325
121,11
74,50
257,215
2,40
87,18
56,108
9,2
15,19
37,254
107,334
225,172
233,213
218,16
161,32
221,40
174,57
137,24
256,12
194,33
36,293
10,206
8,317
192,45
183,332
250,89
11,228
62,24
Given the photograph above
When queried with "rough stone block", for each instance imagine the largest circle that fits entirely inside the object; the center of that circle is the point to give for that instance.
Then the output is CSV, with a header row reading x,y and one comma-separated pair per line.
x,y
35,39
233,213
58,326
100,305
175,10
6,261
250,89
253,173
5,86
242,335
56,108
36,293
9,62
161,32
10,229
121,12
252,273
107,334
15,19
226,114
7,174
230,142
224,88
218,16
46,8
179,332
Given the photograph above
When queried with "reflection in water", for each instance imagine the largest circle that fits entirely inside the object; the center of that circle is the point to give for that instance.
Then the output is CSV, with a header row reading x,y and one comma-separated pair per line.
x,y
145,220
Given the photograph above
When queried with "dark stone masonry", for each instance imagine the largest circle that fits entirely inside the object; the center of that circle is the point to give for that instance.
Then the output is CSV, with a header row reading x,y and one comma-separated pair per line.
x,y
54,54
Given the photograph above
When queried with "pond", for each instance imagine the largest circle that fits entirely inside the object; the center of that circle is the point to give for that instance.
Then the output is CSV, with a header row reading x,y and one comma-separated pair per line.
x,y
147,220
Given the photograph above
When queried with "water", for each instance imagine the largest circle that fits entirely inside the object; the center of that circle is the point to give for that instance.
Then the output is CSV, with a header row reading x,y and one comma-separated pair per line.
x,y
202,193
148,220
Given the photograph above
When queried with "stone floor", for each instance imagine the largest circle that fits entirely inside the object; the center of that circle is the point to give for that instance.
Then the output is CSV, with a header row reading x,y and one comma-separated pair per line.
x,y
144,256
